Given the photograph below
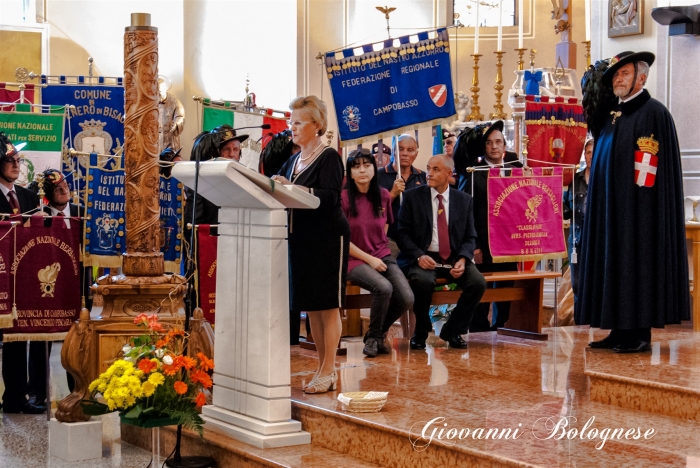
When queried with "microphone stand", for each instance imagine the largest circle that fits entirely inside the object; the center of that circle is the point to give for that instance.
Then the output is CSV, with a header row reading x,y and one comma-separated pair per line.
x,y
177,460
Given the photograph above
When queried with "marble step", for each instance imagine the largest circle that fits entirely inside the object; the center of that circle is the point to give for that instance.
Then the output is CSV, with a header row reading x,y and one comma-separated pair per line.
x,y
664,381
496,383
231,452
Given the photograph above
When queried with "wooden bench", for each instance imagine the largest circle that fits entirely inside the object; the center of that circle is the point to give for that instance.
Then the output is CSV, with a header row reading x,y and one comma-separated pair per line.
x,y
526,296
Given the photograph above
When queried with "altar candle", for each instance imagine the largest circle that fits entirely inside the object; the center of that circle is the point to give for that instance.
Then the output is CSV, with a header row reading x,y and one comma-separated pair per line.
x,y
476,30
588,19
521,22
500,26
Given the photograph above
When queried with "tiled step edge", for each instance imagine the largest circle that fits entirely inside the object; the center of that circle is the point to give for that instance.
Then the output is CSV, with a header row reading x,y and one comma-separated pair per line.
x,y
385,446
643,395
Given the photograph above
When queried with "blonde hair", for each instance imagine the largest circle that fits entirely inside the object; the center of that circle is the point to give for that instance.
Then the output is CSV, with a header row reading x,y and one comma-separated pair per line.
x,y
316,109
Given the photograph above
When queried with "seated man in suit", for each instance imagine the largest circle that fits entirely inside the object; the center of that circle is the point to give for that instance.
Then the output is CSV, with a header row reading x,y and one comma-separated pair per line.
x,y
436,236
15,200
494,154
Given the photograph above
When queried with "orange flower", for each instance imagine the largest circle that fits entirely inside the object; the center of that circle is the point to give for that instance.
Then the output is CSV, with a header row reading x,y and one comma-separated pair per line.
x,y
205,363
201,399
175,332
199,376
187,362
171,369
146,365
153,323
180,387
141,318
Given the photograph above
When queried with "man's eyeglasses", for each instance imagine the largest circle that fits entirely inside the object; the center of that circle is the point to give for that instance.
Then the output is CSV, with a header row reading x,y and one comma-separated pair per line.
x,y
17,161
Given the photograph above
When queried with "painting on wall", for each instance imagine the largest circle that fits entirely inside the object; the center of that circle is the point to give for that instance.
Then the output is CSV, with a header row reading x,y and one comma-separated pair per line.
x,y
625,17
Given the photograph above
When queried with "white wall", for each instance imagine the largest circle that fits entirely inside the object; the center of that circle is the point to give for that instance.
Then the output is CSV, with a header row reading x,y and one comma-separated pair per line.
x,y
206,47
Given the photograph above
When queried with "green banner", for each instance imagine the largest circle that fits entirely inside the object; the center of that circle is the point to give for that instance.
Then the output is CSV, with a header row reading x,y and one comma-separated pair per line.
x,y
213,117
43,134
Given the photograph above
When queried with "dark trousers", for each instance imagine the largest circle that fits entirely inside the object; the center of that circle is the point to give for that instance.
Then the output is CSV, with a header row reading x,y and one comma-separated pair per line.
x,y
391,294
422,282
37,370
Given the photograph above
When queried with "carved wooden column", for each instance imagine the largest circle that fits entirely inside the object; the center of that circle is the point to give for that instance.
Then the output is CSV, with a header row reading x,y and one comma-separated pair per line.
x,y
143,256
93,344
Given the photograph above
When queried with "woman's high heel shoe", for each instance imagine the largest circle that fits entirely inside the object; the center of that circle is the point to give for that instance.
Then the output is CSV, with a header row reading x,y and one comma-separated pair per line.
x,y
323,384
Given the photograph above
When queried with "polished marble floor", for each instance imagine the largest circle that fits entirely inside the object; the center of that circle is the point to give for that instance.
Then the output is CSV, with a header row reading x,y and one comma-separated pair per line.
x,y
24,438
498,383
508,383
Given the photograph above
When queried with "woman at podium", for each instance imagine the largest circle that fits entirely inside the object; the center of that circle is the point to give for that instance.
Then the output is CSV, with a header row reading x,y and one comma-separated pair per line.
x,y
318,239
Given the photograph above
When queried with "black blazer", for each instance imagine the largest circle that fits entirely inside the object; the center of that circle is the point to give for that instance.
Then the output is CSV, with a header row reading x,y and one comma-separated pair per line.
x,y
27,201
481,222
416,225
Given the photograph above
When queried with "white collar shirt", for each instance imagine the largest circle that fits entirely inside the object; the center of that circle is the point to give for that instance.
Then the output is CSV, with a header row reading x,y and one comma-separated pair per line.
x,y
434,243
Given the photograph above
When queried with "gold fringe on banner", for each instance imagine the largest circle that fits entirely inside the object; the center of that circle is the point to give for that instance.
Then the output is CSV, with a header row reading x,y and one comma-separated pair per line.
x,y
397,131
529,258
103,261
6,321
10,337
172,266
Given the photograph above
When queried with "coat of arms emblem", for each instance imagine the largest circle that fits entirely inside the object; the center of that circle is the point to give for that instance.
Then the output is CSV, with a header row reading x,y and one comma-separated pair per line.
x,y
47,279
351,115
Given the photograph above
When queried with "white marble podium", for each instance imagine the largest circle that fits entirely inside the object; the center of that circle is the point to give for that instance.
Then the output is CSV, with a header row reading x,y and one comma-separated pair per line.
x,y
252,375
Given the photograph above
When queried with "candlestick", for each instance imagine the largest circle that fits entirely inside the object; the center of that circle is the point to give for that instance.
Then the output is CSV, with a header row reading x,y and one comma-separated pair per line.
x,y
588,52
521,22
476,110
499,48
476,30
521,63
498,107
532,58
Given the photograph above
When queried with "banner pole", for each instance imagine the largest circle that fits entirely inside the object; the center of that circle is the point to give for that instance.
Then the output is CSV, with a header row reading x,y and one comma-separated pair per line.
x,y
48,381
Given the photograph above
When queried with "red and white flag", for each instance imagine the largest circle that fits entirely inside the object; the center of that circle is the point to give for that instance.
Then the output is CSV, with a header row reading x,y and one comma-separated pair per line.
x,y
645,165
438,94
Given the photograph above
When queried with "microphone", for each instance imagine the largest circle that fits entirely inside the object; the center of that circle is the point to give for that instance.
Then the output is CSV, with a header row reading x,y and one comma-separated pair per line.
x,y
263,126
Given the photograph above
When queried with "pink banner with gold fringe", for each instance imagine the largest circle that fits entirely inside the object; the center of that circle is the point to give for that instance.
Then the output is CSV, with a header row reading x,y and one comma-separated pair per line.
x,y
525,215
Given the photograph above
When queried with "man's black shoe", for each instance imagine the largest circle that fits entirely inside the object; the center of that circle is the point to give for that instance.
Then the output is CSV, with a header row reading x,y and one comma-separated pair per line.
x,y
455,341
26,409
417,343
637,346
370,349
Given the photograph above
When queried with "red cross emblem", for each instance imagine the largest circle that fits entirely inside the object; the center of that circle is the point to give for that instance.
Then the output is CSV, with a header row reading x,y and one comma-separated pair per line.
x,y
645,165
438,94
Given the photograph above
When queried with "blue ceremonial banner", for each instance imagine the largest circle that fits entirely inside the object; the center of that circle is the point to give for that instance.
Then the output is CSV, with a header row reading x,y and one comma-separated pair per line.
x,y
403,86
105,234
171,206
96,123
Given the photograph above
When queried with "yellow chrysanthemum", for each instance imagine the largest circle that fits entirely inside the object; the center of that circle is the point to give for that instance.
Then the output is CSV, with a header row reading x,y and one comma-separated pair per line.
x,y
148,388
138,373
101,387
156,378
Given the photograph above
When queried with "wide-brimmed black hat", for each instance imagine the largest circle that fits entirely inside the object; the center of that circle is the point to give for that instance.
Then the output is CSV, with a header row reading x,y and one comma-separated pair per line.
x,y
226,133
497,125
623,58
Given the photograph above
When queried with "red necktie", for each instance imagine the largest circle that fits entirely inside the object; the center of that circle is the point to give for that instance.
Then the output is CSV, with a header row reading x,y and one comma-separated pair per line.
x,y
443,231
60,213
14,203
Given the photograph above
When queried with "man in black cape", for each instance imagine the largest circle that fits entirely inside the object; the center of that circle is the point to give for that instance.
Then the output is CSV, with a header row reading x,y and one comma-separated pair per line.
x,y
634,270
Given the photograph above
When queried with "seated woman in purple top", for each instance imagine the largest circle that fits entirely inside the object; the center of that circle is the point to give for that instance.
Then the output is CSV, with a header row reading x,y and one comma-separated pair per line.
x,y
370,265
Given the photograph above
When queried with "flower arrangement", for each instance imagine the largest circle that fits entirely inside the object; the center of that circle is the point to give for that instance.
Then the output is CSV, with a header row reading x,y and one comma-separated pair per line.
x,y
154,379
